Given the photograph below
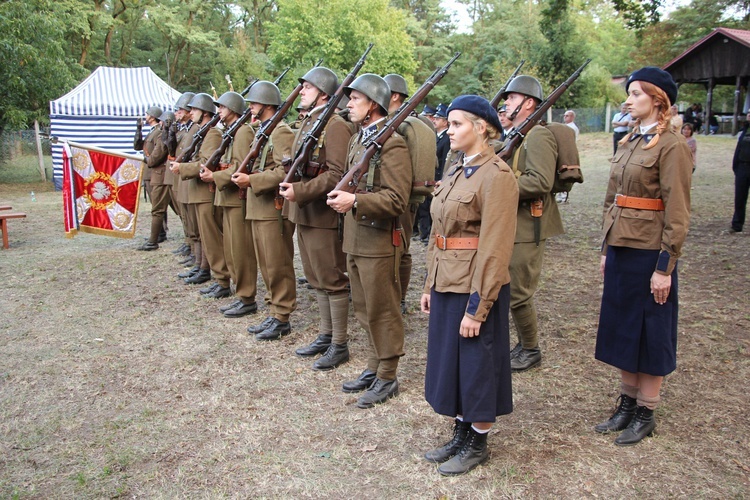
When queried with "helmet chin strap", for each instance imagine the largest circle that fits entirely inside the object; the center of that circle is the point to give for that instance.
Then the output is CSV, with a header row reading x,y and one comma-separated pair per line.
x,y
314,104
515,112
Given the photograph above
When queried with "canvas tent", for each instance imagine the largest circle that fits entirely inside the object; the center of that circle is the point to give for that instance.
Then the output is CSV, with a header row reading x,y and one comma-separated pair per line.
x,y
102,110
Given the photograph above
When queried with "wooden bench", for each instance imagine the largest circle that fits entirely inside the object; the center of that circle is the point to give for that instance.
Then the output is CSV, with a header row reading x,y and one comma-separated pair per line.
x,y
4,216
5,207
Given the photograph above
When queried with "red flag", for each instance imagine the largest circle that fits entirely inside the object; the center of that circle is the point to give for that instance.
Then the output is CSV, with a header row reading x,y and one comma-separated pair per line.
x,y
100,192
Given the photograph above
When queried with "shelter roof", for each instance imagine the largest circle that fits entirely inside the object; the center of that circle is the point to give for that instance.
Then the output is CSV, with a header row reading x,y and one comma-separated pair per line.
x,y
723,54
116,92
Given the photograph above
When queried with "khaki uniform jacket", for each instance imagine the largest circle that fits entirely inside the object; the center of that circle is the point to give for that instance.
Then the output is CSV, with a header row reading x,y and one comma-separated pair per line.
x,y
663,171
310,208
265,179
535,161
479,200
156,155
227,192
184,140
198,191
368,228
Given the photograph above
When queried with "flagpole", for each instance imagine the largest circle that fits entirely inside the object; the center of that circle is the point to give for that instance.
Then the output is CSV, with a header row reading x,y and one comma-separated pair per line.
x,y
113,152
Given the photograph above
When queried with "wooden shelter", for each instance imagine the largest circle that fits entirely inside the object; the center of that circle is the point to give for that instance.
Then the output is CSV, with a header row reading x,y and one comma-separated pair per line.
x,y
720,58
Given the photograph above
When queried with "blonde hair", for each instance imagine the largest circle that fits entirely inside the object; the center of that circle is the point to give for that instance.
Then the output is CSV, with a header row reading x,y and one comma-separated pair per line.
x,y
664,118
490,132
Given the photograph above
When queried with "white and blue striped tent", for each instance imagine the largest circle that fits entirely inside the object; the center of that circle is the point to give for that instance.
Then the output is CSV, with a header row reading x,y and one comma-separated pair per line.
x,y
102,110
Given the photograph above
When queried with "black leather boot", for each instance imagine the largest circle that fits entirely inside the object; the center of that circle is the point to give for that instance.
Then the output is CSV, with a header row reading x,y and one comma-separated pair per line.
x,y
189,272
525,359
621,417
472,453
361,383
642,425
200,277
335,355
317,346
449,449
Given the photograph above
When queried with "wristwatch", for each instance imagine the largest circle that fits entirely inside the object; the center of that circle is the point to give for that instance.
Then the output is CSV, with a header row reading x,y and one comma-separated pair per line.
x,y
355,202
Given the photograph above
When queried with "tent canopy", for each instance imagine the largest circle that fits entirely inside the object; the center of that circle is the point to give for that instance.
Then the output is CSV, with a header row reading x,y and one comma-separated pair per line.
x,y
101,111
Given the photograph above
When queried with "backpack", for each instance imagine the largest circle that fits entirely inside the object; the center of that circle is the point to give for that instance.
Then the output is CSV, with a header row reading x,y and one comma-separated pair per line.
x,y
568,168
420,140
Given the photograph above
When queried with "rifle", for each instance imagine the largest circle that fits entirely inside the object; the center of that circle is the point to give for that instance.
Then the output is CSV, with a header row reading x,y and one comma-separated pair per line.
x,y
256,80
264,133
169,137
302,158
138,139
198,140
229,82
496,100
351,179
518,134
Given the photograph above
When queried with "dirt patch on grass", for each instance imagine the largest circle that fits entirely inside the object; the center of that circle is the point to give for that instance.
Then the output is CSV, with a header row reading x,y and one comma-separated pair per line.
x,y
117,380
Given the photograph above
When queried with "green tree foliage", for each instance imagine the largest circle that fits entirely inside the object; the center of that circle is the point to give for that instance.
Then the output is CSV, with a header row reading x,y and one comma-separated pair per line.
x,y
34,67
562,54
638,14
338,31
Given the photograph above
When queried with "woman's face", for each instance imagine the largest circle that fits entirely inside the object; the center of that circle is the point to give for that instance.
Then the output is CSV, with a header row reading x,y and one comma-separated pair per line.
x,y
687,131
640,104
461,132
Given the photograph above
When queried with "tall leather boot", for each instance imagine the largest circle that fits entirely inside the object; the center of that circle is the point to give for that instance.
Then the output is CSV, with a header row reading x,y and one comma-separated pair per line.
x,y
642,425
621,418
338,352
449,449
472,453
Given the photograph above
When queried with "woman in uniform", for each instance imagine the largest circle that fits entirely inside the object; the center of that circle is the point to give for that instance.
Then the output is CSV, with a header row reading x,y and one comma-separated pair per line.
x,y
467,293
646,216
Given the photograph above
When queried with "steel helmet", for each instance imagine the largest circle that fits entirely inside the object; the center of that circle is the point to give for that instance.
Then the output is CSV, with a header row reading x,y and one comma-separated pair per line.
x,y
264,93
526,85
374,87
154,111
204,102
323,78
397,84
184,100
232,101
167,116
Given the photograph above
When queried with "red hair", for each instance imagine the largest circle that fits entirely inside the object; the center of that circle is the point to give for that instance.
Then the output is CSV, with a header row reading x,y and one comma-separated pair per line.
x,y
661,101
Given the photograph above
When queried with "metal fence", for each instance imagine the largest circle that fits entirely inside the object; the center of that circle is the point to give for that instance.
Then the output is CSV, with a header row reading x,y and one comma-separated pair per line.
x,y
16,143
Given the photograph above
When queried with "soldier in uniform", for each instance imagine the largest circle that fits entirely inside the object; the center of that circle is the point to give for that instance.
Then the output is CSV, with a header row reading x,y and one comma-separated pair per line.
x,y
373,240
420,139
423,223
161,182
237,231
154,156
534,163
271,231
323,259
185,131
202,109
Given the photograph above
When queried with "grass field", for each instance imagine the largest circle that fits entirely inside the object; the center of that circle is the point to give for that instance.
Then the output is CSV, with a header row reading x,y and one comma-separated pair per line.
x,y
117,380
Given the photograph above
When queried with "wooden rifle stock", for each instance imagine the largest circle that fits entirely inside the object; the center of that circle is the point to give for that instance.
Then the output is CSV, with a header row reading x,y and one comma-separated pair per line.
x,y
351,179
302,158
197,140
226,139
519,133
496,100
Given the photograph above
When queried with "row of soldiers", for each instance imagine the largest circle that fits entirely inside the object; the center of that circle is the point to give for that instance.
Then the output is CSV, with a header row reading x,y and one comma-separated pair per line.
x,y
367,254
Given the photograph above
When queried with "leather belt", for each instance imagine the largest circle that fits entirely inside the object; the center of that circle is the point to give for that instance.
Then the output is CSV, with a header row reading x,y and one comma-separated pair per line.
x,y
424,183
444,243
655,204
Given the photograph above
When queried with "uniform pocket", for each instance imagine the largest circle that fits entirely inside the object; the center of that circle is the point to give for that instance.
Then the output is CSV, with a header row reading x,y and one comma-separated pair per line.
x,y
634,213
458,205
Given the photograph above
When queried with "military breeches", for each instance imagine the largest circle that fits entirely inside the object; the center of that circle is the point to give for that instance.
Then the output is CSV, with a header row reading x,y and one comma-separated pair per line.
x,y
376,297
407,224
191,227
323,260
210,223
275,253
239,253
161,197
525,270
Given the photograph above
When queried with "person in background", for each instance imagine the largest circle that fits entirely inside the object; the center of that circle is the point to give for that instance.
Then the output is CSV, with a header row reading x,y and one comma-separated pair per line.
x,y
741,169
687,131
676,119
646,218
713,123
507,125
467,291
620,123
569,120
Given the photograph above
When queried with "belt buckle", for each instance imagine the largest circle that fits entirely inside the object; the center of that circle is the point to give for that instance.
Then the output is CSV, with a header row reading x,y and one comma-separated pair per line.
x,y
618,196
442,242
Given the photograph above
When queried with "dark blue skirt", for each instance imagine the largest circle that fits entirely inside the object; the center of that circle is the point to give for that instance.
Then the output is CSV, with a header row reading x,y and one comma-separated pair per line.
x,y
468,376
635,333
